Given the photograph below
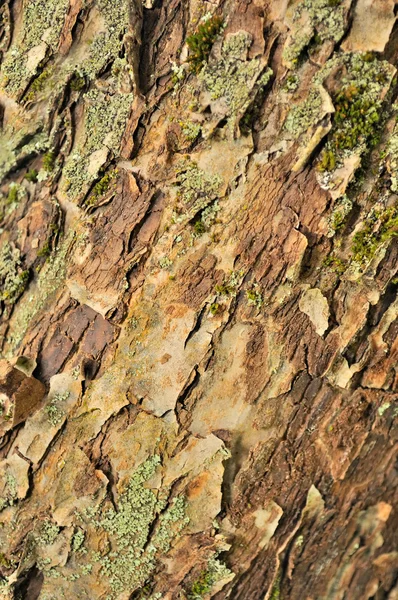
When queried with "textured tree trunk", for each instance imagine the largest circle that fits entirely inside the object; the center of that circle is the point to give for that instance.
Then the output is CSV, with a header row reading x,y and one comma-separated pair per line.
x,y
198,311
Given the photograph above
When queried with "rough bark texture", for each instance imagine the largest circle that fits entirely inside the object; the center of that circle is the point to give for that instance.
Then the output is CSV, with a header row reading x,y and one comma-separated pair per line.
x,y
198,308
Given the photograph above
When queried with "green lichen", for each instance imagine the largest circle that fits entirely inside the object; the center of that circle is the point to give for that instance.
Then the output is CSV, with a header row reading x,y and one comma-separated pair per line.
x,y
11,491
102,186
50,278
335,263
13,277
201,42
31,175
107,44
190,130
48,534
230,285
143,525
324,20
302,116
196,191
342,208
55,413
77,540
104,123
233,77
42,21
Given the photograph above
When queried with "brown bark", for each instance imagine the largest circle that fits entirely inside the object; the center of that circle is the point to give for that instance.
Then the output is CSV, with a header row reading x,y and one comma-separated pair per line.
x,y
199,271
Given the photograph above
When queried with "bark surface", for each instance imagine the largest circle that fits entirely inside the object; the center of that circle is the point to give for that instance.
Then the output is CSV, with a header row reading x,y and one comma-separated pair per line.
x,y
198,308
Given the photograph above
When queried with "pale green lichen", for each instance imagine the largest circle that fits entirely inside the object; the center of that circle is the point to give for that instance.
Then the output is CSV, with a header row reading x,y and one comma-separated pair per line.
x,y
55,413
50,278
13,278
143,525
324,19
302,116
42,22
48,534
233,77
336,220
190,130
196,190
358,109
392,150
11,491
382,409
107,44
77,540
104,124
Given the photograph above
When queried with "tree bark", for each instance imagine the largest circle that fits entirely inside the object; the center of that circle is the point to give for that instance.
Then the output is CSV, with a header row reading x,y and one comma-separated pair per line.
x,y
198,310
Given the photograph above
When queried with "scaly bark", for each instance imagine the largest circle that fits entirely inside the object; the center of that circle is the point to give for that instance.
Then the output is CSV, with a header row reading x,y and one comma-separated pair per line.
x,y
198,272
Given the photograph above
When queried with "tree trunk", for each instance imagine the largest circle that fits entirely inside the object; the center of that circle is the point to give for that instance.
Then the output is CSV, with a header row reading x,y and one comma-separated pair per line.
x,y
198,309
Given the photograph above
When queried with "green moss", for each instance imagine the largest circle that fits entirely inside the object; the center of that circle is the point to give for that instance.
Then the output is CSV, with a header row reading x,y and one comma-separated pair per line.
x,y
214,308
276,590
12,276
358,107
201,42
230,285
216,571
102,186
31,175
380,227
342,208
49,161
77,82
38,84
335,264
254,297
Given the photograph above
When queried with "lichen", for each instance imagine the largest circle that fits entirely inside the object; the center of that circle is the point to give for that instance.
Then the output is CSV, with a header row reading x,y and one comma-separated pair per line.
x,y
324,20
107,44
358,105
104,123
13,277
337,218
42,21
216,571
143,525
196,190
54,411
255,297
50,278
232,77
305,114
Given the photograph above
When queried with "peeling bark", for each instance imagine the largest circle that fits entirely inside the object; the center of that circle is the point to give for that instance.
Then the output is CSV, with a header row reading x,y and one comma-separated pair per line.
x,y
198,310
